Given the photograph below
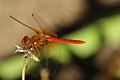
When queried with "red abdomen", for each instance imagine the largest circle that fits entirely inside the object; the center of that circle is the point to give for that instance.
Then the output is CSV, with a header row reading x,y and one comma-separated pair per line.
x,y
52,39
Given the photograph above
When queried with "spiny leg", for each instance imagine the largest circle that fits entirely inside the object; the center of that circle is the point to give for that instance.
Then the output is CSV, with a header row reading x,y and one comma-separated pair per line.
x,y
39,52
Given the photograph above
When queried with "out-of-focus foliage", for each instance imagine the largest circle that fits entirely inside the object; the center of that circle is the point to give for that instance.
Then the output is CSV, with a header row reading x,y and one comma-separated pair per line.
x,y
118,74
111,29
91,36
11,68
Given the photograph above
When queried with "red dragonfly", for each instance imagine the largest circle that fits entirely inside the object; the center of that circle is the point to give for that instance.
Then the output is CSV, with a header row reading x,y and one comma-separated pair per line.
x,y
42,38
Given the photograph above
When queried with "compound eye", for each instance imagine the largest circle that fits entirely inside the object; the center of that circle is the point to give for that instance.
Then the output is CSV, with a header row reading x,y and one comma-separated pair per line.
x,y
25,40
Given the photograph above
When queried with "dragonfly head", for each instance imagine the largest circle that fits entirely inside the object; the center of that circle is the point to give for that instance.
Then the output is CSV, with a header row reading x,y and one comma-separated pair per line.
x,y
25,40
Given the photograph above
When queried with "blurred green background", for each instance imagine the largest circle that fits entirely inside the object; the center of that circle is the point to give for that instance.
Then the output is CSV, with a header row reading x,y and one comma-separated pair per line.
x,y
97,22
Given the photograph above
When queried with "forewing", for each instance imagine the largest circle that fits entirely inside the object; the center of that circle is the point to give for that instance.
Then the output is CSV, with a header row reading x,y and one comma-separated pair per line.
x,y
43,25
51,57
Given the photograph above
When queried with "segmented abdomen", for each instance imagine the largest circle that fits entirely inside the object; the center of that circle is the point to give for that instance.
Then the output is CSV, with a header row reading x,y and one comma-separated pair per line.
x,y
53,39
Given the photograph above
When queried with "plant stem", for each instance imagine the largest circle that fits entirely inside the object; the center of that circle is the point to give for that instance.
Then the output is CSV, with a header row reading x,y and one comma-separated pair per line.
x,y
23,70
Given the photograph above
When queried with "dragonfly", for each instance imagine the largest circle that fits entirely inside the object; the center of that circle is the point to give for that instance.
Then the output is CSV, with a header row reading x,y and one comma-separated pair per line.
x,y
40,40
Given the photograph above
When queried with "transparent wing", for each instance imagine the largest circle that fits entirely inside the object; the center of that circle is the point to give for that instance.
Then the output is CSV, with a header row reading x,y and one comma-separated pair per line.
x,y
50,58
42,24
54,55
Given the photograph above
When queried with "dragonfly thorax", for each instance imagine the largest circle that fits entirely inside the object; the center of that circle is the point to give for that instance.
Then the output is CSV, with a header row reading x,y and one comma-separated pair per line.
x,y
38,39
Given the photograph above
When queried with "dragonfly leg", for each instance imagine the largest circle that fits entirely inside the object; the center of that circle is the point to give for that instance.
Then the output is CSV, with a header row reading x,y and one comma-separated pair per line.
x,y
39,52
34,49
